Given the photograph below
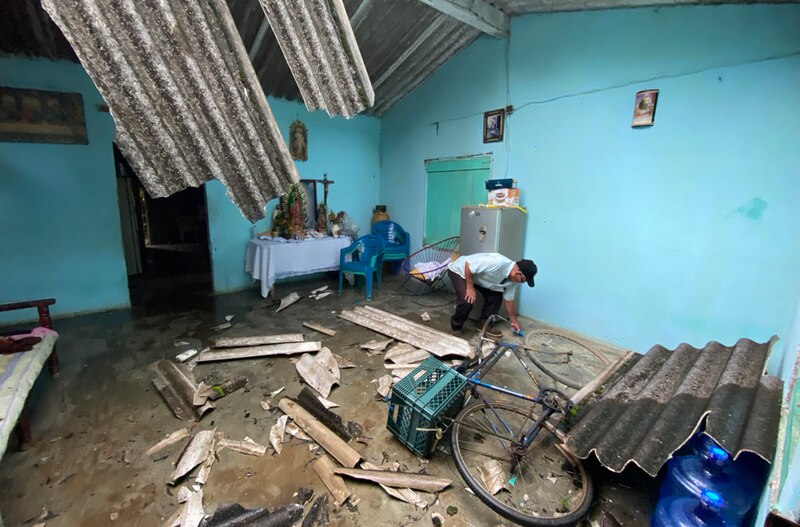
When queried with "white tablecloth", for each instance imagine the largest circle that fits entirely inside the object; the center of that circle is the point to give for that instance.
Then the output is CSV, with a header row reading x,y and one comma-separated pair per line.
x,y
268,260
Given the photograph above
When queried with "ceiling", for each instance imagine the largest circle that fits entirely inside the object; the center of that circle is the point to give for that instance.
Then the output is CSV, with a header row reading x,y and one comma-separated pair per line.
x,y
402,42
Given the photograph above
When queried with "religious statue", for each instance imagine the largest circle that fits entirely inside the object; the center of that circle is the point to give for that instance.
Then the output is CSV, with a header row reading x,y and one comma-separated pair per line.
x,y
298,141
290,214
322,211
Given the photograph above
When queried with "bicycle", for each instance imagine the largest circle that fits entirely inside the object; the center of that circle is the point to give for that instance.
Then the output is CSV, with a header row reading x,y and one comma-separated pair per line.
x,y
512,456
564,358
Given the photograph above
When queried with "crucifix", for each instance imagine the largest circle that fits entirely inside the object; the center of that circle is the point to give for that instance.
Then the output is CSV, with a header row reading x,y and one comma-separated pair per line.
x,y
322,211
325,183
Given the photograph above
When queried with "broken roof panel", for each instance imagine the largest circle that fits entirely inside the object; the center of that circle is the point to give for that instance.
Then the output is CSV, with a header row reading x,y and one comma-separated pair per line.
x,y
184,96
653,409
323,55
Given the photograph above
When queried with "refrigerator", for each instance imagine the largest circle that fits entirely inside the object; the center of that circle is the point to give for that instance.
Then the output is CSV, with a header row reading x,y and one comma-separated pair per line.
x,y
493,230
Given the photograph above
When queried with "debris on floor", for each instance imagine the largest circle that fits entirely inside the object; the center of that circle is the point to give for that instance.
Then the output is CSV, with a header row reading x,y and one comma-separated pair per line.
x,y
320,328
425,316
319,290
253,352
384,385
220,327
493,476
437,342
172,439
186,355
318,514
258,340
320,371
265,406
246,446
405,353
235,514
177,385
401,480
287,301
375,347
335,446
324,467
276,433
221,390
311,403
200,447
343,362
276,392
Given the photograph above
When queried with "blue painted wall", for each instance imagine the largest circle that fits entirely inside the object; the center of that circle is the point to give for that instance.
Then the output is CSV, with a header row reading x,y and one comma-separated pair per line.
x,y
59,219
683,232
348,150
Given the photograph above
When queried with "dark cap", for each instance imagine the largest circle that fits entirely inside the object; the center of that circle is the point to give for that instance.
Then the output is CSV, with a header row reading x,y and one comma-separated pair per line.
x,y
529,269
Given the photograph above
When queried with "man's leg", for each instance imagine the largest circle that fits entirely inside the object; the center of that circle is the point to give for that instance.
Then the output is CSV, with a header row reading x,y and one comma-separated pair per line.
x,y
463,308
492,300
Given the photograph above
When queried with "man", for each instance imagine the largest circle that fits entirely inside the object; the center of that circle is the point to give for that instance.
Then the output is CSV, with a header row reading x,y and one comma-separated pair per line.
x,y
496,278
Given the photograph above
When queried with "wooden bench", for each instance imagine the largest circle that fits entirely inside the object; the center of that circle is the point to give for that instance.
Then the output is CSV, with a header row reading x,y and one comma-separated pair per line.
x,y
18,371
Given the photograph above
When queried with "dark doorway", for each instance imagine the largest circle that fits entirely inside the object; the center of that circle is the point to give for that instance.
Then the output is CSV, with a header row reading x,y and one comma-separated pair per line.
x,y
165,239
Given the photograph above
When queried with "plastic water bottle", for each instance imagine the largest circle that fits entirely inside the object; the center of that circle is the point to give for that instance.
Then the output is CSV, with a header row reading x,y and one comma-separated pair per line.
x,y
690,476
749,470
682,511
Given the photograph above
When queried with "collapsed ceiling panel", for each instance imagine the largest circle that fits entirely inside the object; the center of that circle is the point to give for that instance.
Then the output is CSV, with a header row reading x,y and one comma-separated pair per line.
x,y
185,99
654,408
323,55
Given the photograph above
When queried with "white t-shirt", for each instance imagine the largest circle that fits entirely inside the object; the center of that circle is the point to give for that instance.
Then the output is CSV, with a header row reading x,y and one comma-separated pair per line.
x,y
489,270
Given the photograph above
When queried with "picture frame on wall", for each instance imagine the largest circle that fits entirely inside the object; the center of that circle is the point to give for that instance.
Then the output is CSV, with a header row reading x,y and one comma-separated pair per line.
x,y
494,126
310,187
644,108
42,116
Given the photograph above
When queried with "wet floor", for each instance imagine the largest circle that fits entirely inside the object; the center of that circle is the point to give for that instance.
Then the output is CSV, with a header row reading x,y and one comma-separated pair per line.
x,y
93,422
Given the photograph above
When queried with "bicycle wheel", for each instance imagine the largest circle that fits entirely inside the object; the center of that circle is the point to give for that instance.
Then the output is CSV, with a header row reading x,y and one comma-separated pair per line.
x,y
545,486
563,358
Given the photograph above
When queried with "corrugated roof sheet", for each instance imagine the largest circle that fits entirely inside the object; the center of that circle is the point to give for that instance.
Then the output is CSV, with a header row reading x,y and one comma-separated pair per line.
x,y
183,94
25,29
654,408
322,52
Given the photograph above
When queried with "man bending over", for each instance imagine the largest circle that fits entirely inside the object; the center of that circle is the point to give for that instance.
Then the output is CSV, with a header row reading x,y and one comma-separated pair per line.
x,y
496,278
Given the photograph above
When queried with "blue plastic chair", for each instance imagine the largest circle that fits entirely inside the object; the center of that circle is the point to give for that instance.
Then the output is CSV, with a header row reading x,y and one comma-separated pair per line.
x,y
366,259
397,241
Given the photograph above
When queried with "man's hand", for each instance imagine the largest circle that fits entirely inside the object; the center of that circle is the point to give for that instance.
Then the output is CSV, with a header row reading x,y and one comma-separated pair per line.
x,y
515,325
469,296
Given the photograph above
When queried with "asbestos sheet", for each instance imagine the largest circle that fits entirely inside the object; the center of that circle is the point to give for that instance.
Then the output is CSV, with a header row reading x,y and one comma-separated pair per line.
x,y
321,50
176,384
185,99
654,408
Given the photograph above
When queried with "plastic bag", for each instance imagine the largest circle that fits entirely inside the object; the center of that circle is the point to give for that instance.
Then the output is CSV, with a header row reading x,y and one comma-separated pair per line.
x,y
349,226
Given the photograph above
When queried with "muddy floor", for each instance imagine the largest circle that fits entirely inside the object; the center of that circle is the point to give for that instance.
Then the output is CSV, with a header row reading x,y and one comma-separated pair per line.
x,y
92,423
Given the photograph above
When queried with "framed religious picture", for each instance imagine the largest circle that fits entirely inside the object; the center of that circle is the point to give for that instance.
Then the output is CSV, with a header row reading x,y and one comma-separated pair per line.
x,y
493,126
310,186
298,141
644,108
40,116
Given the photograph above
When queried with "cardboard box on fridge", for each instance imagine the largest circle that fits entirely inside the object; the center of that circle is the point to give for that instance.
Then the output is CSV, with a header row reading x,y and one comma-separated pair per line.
x,y
504,197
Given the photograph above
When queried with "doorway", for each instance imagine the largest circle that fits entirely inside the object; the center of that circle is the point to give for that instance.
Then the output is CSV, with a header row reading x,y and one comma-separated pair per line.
x,y
452,184
165,240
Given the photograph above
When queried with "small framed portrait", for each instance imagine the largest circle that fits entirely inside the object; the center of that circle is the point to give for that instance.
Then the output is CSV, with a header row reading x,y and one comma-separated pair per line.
x,y
493,126
644,108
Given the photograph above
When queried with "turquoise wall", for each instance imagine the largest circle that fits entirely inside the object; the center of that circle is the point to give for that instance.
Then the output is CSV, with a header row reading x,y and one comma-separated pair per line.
x,y
59,220
348,150
686,231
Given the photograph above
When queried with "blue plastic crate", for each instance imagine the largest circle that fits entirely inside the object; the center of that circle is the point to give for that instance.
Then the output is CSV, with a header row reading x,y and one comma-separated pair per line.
x,y
420,401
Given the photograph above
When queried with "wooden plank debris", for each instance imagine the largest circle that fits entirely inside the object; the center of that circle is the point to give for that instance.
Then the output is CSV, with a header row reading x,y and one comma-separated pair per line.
x,y
341,451
320,328
439,343
338,488
254,352
258,340
196,452
397,479
175,437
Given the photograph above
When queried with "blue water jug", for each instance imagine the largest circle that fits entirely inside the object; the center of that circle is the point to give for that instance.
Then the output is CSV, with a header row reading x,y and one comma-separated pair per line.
x,y
689,476
749,470
680,511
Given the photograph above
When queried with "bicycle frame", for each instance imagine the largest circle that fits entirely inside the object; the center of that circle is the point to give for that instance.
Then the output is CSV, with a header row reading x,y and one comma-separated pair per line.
x,y
474,380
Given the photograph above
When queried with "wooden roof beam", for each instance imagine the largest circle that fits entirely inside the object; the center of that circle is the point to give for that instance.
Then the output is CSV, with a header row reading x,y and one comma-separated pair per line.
x,y
476,13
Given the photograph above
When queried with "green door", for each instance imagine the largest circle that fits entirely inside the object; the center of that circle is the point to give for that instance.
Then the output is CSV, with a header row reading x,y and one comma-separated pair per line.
x,y
452,184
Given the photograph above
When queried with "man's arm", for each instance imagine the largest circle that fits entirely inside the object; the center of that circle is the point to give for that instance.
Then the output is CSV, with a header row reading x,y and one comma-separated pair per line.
x,y
470,293
512,316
